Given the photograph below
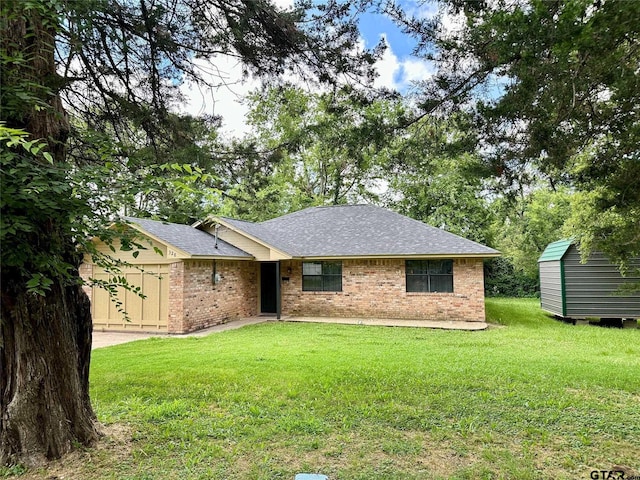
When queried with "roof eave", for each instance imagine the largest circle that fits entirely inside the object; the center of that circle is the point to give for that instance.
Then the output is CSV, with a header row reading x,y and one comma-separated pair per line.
x,y
220,257
398,256
562,246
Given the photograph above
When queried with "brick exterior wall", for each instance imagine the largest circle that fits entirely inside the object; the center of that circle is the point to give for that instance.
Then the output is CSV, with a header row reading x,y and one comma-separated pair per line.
x,y
377,289
195,303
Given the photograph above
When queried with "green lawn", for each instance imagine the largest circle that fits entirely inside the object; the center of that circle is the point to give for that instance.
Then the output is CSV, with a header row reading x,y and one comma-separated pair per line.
x,y
532,398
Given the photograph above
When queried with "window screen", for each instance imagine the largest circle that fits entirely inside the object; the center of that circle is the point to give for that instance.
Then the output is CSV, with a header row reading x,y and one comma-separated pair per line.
x,y
322,276
429,275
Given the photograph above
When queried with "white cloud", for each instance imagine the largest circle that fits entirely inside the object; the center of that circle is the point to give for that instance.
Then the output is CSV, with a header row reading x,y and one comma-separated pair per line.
x,y
283,3
226,95
415,70
400,74
388,67
419,10
452,24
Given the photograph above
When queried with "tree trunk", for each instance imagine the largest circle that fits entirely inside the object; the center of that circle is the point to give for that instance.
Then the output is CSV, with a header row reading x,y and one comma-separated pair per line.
x,y
44,358
45,340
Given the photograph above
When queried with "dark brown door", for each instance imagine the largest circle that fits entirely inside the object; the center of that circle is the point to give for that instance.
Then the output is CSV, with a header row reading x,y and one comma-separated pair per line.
x,y
268,288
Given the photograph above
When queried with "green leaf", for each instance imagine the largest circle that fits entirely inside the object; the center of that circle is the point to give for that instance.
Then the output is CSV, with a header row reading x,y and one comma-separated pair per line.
x,y
39,284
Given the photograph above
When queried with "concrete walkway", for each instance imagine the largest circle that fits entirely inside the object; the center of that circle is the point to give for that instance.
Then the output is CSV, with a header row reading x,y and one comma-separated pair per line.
x,y
106,339
391,322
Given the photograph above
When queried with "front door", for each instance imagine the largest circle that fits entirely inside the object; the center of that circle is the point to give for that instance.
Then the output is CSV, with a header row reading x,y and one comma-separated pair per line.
x,y
268,291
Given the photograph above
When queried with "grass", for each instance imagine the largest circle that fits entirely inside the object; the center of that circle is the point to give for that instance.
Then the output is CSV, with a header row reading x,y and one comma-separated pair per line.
x,y
528,398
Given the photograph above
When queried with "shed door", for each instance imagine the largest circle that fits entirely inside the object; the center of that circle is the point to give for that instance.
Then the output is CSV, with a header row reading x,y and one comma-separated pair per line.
x,y
146,314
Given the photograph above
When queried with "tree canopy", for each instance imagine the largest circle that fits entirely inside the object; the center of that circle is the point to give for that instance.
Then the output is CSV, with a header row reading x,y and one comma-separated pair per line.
x,y
555,90
310,149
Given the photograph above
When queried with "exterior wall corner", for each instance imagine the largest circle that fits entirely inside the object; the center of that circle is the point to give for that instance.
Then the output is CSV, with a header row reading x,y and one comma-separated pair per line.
x,y
175,322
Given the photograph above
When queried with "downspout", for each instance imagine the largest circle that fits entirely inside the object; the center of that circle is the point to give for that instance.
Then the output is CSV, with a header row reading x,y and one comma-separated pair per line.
x,y
278,292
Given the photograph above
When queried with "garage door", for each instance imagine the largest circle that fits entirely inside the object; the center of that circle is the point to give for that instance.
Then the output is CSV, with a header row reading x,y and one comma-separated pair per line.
x,y
145,314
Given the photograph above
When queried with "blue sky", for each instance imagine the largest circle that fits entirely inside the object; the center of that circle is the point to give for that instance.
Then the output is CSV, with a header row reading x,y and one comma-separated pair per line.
x,y
399,67
373,26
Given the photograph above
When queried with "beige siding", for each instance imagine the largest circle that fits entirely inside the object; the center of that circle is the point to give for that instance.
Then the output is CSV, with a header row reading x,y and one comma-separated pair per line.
x,y
146,256
259,251
149,313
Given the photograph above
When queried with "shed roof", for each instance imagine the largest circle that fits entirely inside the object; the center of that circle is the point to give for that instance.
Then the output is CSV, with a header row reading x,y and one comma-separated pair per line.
x,y
190,240
555,251
356,230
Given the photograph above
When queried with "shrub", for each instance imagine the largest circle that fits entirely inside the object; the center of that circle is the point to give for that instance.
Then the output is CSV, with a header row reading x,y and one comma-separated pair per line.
x,y
502,279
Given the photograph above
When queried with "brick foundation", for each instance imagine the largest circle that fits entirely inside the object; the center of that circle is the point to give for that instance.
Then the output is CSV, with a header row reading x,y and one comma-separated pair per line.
x,y
377,288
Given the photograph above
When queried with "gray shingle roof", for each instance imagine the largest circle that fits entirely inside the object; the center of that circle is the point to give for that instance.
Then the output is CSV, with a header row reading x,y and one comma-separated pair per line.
x,y
357,230
188,239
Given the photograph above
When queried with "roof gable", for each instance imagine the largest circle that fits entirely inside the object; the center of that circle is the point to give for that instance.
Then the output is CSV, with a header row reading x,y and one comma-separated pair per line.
x,y
555,251
357,230
191,241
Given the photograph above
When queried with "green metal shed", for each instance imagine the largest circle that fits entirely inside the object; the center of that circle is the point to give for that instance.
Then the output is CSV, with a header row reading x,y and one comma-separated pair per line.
x,y
571,289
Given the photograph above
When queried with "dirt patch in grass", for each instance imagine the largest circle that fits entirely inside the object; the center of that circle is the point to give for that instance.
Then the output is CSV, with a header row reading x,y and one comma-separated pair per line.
x,y
385,453
559,459
113,447
413,454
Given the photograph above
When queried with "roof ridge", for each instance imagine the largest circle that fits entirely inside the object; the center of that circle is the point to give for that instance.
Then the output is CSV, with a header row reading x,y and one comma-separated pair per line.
x,y
344,205
318,207
290,214
163,222
193,241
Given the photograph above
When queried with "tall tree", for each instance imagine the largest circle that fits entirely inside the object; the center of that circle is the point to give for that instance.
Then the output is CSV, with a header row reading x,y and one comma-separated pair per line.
x,y
527,225
316,149
435,176
116,66
255,181
555,87
45,336
166,181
